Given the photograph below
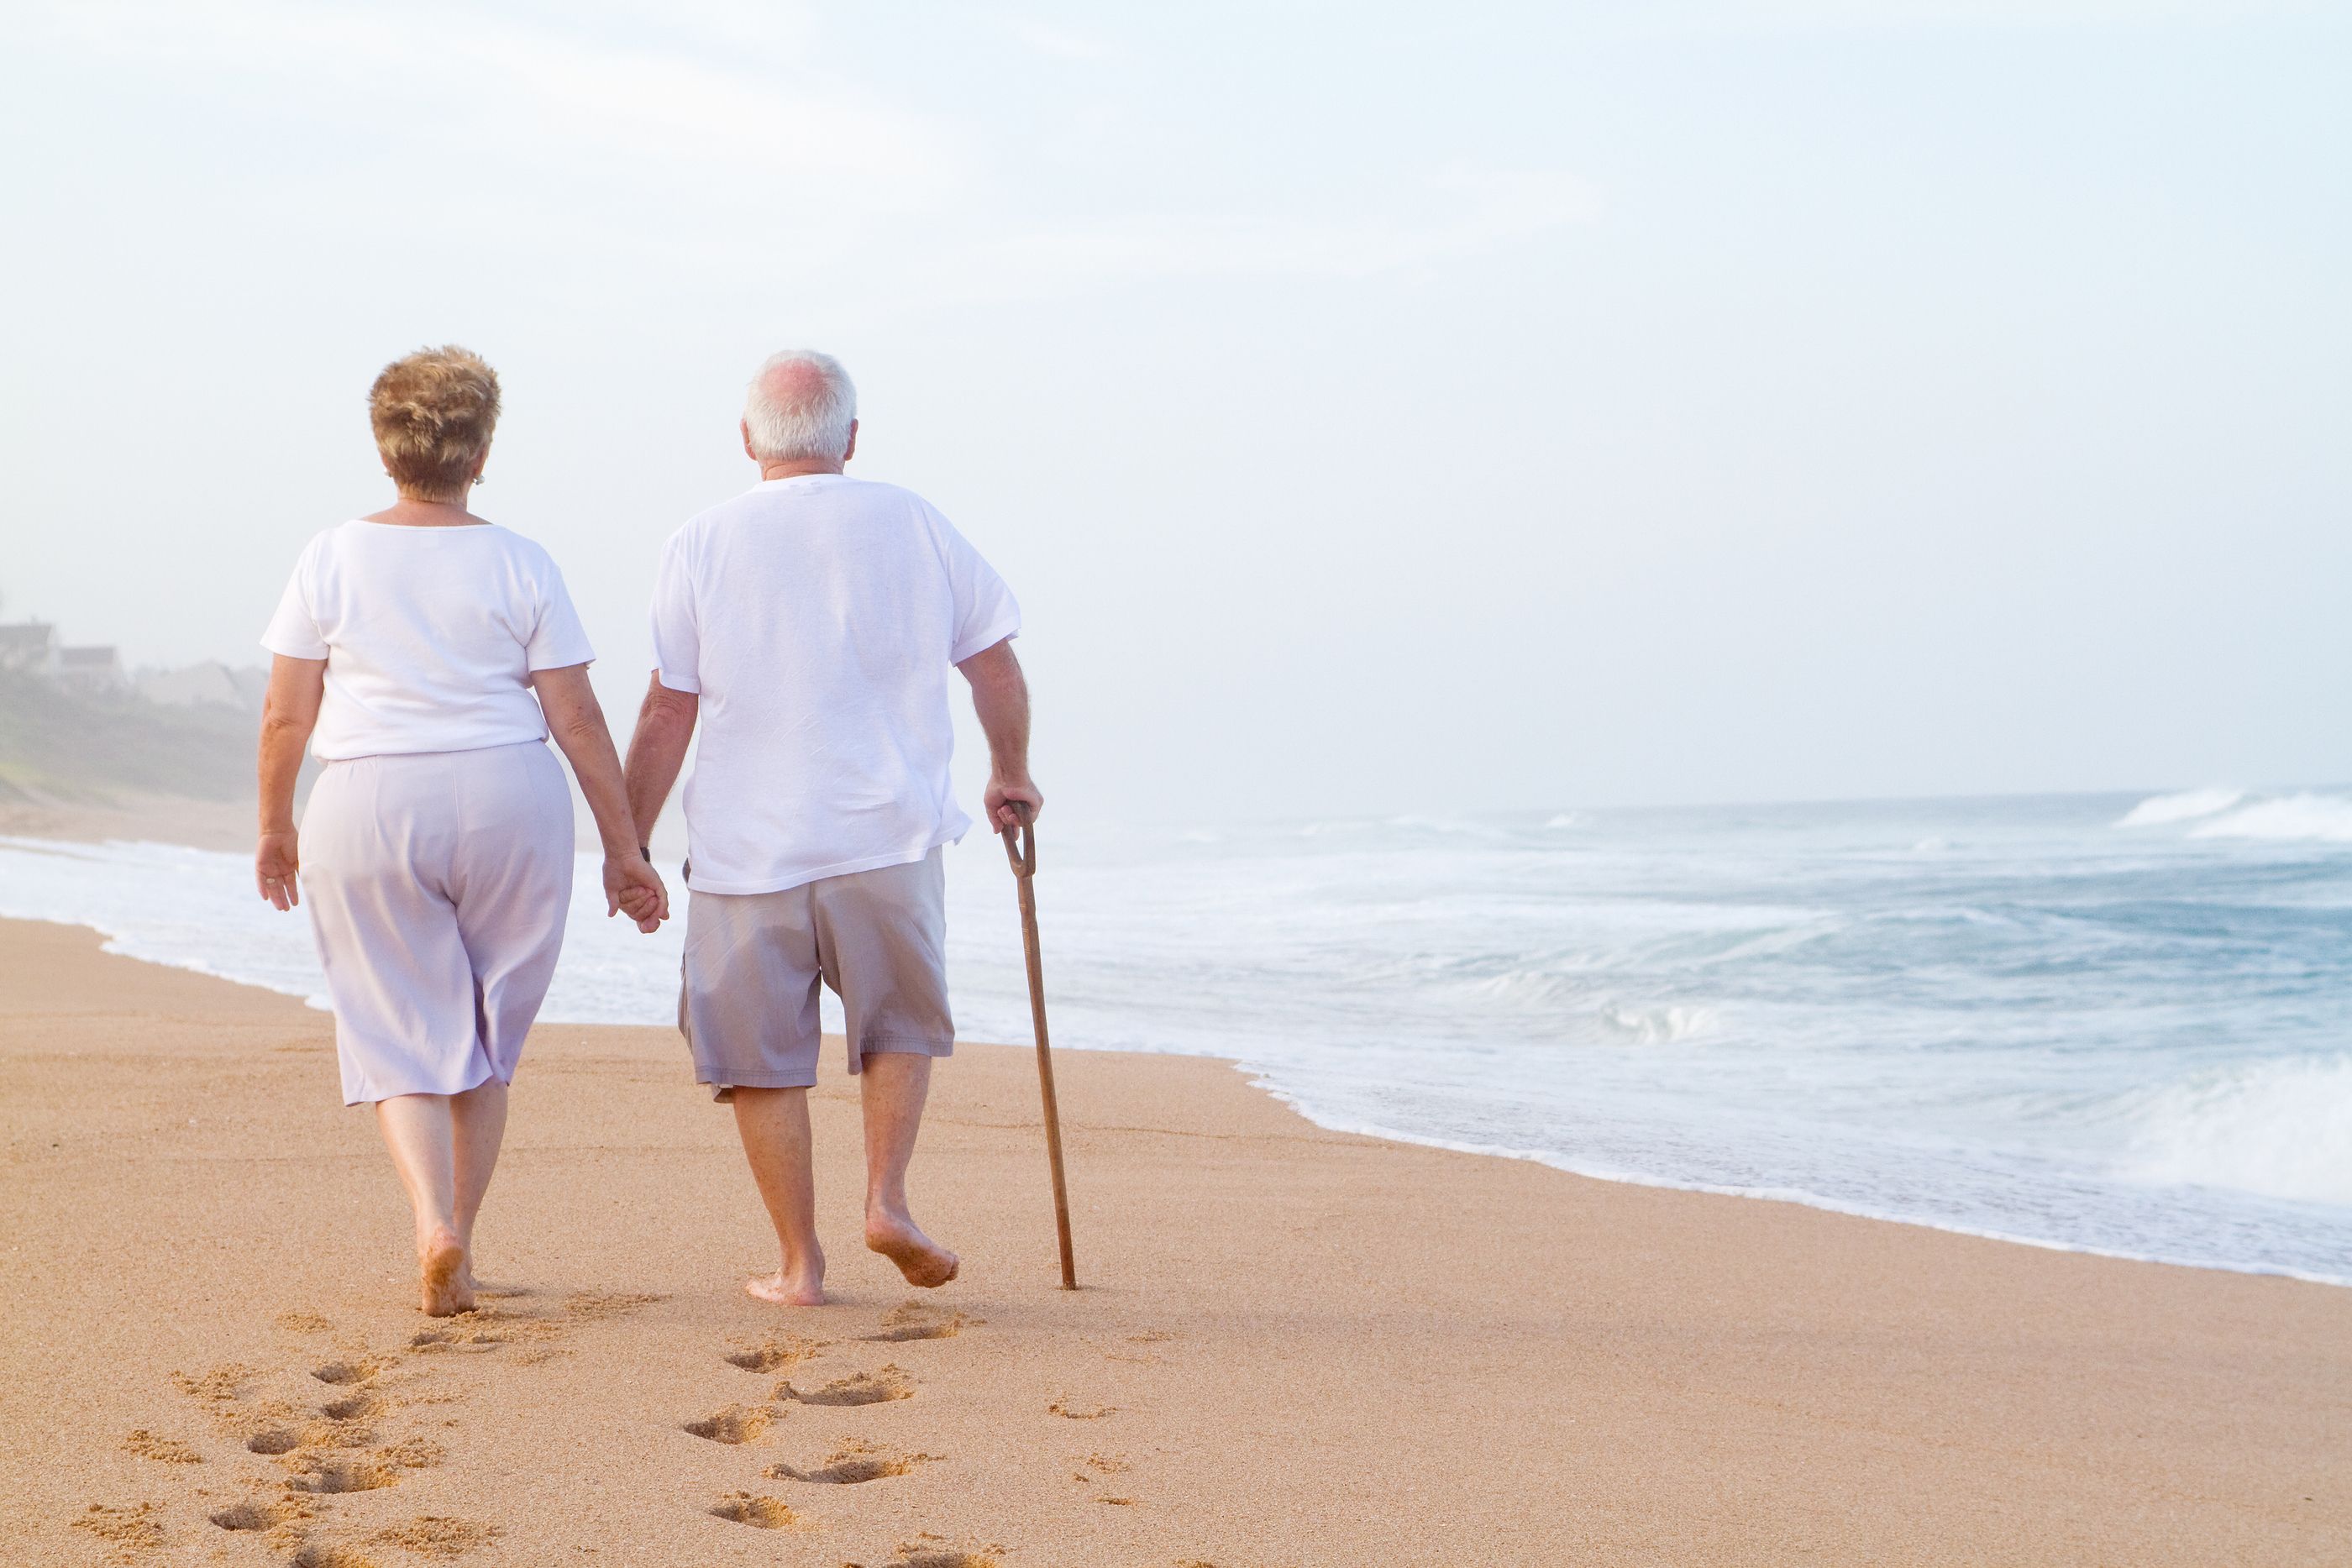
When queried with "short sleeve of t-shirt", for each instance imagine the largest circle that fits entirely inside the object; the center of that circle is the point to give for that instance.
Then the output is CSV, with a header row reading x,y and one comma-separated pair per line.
x,y
677,635
558,640
985,612
294,629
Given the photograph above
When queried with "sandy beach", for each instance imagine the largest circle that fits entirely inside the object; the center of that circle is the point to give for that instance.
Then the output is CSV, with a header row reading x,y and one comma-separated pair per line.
x,y
129,815
1293,1346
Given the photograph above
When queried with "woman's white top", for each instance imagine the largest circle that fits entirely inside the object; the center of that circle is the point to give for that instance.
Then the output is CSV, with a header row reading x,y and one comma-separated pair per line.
x,y
430,636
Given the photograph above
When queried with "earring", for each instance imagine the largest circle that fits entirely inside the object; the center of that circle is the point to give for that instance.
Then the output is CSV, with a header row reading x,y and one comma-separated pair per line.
x,y
479,479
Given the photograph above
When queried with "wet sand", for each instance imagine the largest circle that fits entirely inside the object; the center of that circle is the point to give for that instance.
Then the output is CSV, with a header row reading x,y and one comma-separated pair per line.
x,y
1293,1347
131,814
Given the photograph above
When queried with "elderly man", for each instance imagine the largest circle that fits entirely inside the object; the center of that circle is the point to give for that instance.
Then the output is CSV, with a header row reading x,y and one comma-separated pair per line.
x,y
809,625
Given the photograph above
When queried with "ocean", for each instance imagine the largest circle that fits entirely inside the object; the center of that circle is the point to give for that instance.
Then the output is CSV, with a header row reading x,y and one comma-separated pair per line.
x,y
2117,1024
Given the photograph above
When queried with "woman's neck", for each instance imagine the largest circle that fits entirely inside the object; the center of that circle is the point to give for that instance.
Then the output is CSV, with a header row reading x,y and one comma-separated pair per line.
x,y
416,512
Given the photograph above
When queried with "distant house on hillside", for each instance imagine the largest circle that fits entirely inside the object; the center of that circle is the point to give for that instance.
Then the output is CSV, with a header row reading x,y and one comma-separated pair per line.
x,y
93,668
209,684
30,645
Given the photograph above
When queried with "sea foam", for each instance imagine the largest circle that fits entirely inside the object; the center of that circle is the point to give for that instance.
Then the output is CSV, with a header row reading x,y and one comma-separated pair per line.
x,y
2306,818
2185,806
2280,1128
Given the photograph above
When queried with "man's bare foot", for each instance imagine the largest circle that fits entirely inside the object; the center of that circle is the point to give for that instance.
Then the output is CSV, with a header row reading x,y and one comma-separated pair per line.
x,y
787,1289
446,1280
923,1260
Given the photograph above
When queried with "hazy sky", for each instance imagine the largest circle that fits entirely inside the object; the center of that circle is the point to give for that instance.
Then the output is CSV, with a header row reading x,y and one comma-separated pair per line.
x,y
1376,408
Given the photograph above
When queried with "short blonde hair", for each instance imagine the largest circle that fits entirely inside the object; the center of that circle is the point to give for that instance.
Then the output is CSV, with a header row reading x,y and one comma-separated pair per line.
x,y
433,411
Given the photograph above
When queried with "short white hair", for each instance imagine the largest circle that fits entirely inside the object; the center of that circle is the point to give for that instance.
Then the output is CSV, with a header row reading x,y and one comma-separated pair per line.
x,y
800,418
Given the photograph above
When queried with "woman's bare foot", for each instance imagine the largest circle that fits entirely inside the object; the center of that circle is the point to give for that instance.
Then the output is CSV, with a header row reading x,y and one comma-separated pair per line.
x,y
923,1260
444,1276
794,1289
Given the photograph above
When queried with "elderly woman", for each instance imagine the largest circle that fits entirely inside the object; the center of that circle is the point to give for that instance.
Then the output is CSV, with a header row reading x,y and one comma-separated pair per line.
x,y
427,655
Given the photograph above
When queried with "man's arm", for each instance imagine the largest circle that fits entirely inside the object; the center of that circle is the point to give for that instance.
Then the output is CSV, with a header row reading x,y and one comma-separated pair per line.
x,y
1000,697
657,751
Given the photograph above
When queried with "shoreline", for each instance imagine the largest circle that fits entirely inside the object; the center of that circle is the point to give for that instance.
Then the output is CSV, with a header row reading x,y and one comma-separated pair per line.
x,y
1792,1197
1295,1346
167,823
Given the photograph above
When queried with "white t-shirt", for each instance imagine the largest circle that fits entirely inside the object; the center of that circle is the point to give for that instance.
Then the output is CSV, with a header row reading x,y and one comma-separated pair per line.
x,y
818,617
430,636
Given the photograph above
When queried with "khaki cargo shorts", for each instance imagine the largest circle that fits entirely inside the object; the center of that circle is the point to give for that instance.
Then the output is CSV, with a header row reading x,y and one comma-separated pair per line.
x,y
747,1006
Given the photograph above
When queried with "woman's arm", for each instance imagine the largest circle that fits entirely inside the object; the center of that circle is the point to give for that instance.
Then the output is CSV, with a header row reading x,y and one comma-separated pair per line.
x,y
288,713
577,724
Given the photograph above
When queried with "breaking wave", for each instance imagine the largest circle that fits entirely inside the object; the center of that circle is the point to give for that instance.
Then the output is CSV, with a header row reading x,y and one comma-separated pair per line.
x,y
2185,806
2280,1128
2292,818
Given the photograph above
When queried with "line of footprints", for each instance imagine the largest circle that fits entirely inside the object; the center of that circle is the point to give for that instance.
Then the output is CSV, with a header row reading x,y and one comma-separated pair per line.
x,y
857,1462
854,1462
337,1438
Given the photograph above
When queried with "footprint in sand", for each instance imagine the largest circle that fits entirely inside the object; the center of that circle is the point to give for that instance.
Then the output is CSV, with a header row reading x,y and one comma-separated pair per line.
x,y
265,1426
133,1528
761,1512
414,1453
492,1324
736,1423
338,1435
329,1477
923,1553
774,1353
353,1406
303,1323
462,1341
261,1513
1070,1412
852,1464
221,1386
323,1554
349,1370
163,1450
319,1473
437,1535
916,1319
1105,1465
858,1389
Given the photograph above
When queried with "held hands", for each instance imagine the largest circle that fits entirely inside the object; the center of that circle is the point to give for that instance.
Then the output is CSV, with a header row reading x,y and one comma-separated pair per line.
x,y
274,863
634,888
1011,802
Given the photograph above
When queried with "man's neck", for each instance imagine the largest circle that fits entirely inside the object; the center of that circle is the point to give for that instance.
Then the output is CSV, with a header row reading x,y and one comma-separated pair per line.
x,y
794,469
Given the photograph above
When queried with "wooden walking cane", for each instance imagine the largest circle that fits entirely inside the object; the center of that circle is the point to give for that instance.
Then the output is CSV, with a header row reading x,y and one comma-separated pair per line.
x,y
1021,849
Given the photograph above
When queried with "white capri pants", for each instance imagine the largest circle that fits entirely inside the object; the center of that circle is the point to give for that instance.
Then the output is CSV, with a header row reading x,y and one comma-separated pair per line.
x,y
437,884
